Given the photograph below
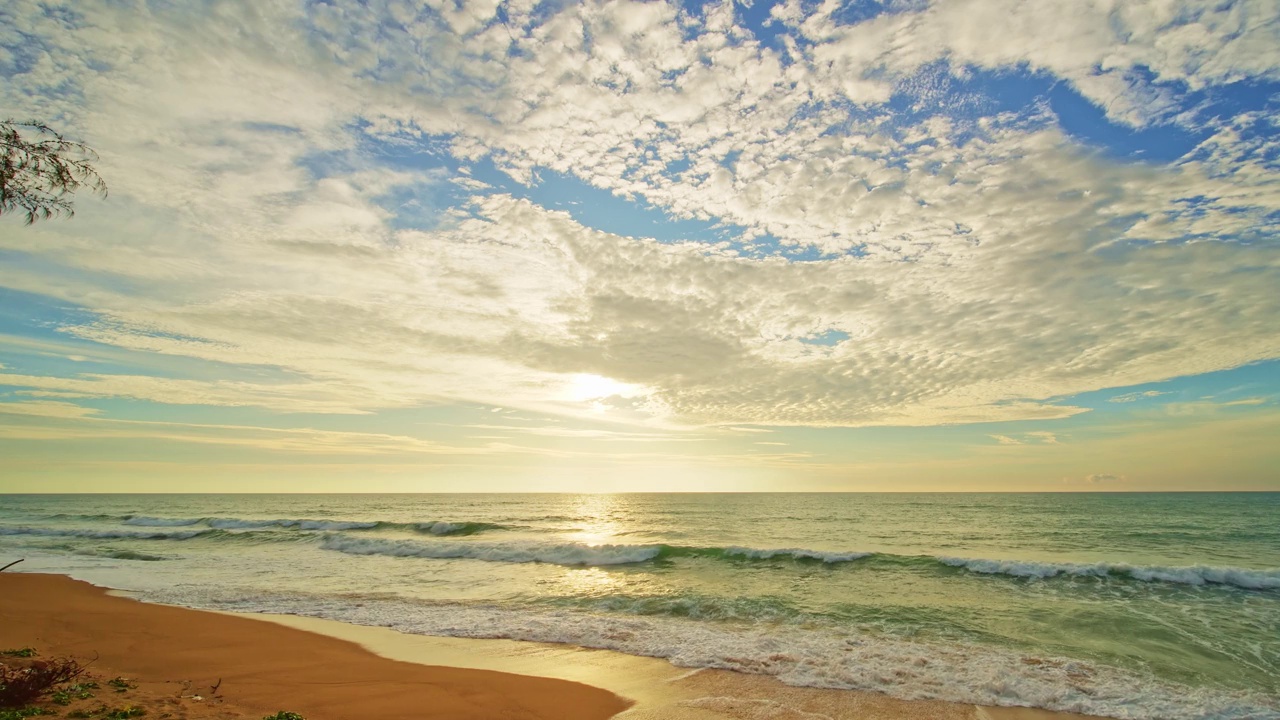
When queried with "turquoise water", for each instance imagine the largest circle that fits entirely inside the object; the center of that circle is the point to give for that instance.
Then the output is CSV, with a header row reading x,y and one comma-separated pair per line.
x,y
1126,605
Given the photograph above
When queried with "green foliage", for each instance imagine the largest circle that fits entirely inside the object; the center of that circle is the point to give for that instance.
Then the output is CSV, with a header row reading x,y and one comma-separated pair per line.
x,y
20,713
284,715
39,169
121,684
20,652
108,714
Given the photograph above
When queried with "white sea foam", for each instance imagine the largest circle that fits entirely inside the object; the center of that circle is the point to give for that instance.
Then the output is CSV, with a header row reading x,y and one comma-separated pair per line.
x,y
1251,579
796,655
440,528
512,552
797,554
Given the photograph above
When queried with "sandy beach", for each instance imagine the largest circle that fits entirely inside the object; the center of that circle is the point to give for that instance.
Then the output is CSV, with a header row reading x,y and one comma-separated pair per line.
x,y
174,654
323,669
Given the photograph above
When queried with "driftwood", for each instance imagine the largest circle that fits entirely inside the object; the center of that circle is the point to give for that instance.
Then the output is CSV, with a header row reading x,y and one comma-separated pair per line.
x,y
15,562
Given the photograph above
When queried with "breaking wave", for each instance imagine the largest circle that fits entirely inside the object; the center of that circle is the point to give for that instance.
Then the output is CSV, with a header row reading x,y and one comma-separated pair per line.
x,y
555,553
456,528
119,554
568,553
797,655
1192,575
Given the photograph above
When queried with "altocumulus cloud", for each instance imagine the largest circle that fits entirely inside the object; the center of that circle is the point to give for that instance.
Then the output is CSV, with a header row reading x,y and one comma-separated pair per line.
x,y
970,263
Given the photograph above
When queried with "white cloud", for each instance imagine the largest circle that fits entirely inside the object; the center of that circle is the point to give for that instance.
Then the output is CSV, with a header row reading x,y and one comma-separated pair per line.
x,y
46,408
1044,437
1103,478
1134,396
998,265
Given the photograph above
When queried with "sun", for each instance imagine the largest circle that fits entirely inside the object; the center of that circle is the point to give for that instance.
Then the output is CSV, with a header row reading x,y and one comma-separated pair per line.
x,y
585,387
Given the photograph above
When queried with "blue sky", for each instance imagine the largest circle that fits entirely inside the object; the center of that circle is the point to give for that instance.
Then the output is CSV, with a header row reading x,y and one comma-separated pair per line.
x,y
510,245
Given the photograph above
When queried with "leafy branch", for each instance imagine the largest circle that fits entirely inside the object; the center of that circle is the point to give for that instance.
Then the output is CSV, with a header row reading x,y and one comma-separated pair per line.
x,y
40,169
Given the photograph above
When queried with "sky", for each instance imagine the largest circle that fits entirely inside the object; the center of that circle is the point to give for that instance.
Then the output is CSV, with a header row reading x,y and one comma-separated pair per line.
x,y
438,246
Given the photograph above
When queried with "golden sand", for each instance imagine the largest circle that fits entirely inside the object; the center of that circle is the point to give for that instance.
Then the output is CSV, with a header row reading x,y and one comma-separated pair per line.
x,y
326,670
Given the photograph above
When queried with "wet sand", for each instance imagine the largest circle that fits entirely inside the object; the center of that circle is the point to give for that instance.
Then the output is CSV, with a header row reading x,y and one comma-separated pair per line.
x,y
329,670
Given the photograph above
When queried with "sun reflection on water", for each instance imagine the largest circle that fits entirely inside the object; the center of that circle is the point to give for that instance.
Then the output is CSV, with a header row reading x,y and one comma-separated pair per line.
x,y
600,526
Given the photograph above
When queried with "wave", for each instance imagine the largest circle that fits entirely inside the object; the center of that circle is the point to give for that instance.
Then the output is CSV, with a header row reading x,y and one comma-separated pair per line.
x,y
161,522
796,654
580,554
239,524
120,554
457,528
569,553
554,553
208,534
1249,579
796,554
438,527
106,534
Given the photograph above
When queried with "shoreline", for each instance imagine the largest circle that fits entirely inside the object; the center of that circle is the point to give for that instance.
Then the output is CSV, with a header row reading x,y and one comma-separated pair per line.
x,y
328,669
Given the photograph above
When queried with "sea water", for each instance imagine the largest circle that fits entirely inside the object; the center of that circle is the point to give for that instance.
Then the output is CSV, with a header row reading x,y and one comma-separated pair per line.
x,y
1121,605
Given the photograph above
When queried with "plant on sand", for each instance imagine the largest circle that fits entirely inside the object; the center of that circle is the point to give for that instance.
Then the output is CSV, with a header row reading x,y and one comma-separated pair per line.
x,y
121,684
284,715
22,713
102,711
19,652
22,685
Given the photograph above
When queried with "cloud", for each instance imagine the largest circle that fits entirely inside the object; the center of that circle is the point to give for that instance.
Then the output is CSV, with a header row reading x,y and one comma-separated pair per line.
x,y
586,433
1134,396
1044,437
47,408
977,266
1245,401
1103,478
1006,440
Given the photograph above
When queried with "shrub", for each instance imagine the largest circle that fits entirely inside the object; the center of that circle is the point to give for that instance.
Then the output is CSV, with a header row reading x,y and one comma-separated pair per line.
x,y
22,713
21,686
19,652
284,715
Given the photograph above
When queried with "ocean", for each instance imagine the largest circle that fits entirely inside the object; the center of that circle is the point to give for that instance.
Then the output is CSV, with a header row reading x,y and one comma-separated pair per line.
x,y
1122,605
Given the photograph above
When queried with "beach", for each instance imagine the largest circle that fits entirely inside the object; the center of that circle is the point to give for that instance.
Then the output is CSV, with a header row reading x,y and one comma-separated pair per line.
x,y
261,667
837,605
176,657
